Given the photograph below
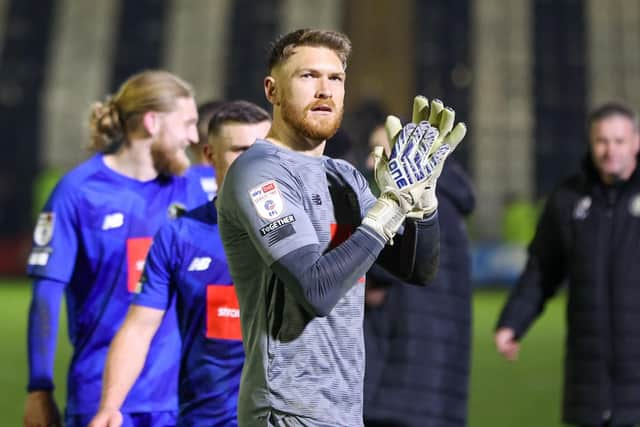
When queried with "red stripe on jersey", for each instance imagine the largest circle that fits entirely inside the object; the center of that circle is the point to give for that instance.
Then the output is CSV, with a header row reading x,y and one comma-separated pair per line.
x,y
137,250
223,313
340,233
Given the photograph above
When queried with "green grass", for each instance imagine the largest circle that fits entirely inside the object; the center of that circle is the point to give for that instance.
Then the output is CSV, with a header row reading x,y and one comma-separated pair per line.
x,y
524,394
14,306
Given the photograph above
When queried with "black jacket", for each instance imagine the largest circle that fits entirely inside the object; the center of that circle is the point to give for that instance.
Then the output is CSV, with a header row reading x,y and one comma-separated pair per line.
x,y
589,234
418,342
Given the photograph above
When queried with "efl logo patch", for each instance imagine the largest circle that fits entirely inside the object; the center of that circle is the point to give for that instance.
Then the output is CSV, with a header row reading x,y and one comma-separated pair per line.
x,y
223,313
267,200
44,228
137,250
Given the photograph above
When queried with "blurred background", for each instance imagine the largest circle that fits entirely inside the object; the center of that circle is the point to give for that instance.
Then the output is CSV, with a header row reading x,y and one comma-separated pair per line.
x,y
521,73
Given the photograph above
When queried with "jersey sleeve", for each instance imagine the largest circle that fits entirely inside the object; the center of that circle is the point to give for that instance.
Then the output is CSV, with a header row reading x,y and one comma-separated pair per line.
x,y
42,332
159,269
264,200
56,235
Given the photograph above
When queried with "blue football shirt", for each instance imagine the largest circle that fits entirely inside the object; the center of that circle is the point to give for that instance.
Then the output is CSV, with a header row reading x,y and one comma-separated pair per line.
x,y
206,175
186,267
93,234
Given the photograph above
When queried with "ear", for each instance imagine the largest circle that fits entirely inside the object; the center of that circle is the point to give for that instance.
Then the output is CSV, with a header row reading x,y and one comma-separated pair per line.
x,y
207,150
270,90
150,122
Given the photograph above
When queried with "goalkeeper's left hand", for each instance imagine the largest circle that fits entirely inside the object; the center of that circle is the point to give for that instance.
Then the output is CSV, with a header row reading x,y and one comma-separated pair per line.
x,y
402,176
442,118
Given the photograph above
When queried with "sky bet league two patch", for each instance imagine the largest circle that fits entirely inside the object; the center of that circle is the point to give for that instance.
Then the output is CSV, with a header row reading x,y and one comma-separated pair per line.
x,y
267,200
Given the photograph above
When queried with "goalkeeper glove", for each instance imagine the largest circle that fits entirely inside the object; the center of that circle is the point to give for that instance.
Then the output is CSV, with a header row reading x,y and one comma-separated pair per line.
x,y
442,118
402,176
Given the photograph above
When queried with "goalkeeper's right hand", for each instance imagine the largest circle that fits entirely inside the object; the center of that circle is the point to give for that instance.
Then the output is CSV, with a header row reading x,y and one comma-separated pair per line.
x,y
442,118
402,176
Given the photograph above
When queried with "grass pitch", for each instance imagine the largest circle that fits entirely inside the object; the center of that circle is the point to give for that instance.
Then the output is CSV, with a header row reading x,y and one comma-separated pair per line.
x,y
526,393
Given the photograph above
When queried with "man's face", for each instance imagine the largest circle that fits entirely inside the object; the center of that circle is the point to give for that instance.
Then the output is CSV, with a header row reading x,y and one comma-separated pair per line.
x,y
233,139
176,130
614,145
310,92
377,138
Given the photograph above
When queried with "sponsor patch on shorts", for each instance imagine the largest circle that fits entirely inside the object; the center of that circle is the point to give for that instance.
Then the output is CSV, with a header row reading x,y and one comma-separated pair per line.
x,y
267,200
278,229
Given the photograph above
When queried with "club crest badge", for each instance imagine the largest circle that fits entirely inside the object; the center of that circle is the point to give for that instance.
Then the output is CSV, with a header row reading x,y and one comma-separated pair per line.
x,y
176,210
581,210
634,206
267,200
44,228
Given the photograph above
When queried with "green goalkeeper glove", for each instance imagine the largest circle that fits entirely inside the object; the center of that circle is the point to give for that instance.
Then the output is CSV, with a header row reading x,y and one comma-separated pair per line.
x,y
442,118
402,176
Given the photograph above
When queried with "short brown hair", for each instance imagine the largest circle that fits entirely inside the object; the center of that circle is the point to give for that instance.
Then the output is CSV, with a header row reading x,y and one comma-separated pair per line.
x,y
611,109
237,112
205,111
282,47
151,90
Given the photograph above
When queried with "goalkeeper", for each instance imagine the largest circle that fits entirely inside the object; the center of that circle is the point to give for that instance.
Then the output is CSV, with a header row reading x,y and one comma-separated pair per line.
x,y
300,230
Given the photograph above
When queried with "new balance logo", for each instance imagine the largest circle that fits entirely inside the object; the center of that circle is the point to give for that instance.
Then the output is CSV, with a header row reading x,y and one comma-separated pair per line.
x,y
316,199
114,220
199,264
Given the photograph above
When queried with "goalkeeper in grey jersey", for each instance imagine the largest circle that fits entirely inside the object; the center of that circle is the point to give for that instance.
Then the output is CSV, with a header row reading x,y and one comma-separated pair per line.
x,y
300,230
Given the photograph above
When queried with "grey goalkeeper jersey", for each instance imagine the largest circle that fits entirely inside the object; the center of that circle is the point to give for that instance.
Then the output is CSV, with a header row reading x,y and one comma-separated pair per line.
x,y
299,369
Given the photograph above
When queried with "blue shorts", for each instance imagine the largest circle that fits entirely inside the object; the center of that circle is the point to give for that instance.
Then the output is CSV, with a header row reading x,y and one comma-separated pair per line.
x,y
135,419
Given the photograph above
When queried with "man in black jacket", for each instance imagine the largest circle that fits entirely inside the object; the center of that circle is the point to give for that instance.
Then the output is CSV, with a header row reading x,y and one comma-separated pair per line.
x,y
589,234
418,338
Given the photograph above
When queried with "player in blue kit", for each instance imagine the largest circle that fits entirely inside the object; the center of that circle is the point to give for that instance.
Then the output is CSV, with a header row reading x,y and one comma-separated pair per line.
x,y
90,243
200,168
186,266
300,230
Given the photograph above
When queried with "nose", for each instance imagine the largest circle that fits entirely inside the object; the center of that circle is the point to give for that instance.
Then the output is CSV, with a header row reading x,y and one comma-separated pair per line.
x,y
192,135
607,148
324,89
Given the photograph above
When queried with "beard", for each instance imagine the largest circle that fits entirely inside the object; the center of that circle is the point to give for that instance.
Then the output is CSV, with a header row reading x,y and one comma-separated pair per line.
x,y
318,129
169,161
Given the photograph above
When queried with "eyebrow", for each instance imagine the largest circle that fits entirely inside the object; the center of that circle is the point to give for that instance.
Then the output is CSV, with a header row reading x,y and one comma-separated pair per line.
x,y
318,71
